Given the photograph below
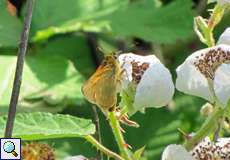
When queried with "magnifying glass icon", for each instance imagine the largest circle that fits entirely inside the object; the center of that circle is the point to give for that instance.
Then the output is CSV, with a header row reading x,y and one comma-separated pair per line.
x,y
9,147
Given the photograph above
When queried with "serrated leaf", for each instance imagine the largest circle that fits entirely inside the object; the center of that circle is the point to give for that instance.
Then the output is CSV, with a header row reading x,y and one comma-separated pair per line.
x,y
40,125
137,154
10,27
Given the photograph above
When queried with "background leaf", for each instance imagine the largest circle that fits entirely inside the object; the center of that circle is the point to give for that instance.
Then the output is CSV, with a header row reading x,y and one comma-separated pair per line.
x,y
78,15
38,125
10,27
46,78
162,25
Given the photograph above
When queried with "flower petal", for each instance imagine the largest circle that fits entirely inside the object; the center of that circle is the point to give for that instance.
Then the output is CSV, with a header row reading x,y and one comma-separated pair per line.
x,y
225,37
219,150
126,60
156,87
222,83
152,80
190,80
176,152
79,157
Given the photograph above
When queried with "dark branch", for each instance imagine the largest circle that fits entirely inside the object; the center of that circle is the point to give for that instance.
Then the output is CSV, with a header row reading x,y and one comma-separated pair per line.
x,y
98,130
19,69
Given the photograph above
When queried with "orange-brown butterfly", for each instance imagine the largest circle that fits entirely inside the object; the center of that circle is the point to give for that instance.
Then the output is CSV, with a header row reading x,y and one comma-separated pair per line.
x,y
101,88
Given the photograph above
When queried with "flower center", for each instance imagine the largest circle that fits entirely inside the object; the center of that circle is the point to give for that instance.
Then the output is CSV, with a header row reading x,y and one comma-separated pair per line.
x,y
138,70
207,63
208,150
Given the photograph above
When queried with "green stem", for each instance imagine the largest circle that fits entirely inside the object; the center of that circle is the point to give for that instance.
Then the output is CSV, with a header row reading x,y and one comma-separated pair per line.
x,y
210,41
209,126
102,148
215,18
115,125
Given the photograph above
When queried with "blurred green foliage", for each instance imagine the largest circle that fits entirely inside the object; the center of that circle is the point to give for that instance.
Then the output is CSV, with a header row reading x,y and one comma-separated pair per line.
x,y
62,54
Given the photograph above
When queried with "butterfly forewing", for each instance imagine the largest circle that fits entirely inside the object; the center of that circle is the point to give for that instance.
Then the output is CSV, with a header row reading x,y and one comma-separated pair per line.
x,y
101,88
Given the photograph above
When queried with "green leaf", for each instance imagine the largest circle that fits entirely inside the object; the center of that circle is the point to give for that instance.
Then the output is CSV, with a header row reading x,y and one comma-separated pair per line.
x,y
137,154
71,26
162,25
38,125
10,27
68,16
51,80
74,48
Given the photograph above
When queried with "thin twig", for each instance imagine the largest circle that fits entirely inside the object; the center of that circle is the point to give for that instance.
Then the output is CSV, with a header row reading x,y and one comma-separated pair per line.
x,y
98,130
19,69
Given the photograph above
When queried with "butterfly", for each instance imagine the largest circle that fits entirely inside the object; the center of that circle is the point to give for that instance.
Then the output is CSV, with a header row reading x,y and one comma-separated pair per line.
x,y
102,87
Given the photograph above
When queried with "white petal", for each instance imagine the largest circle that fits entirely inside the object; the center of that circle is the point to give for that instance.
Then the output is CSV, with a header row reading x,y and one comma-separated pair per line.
x,y
225,37
176,152
190,80
125,61
222,83
221,142
156,87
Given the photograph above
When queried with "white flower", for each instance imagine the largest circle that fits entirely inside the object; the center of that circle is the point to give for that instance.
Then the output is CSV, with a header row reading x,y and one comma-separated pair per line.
x,y
225,37
206,73
151,79
79,157
206,149
176,152
210,150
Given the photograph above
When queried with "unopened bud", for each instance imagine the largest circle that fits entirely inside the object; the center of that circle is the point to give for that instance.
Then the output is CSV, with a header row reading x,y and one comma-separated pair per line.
x,y
206,110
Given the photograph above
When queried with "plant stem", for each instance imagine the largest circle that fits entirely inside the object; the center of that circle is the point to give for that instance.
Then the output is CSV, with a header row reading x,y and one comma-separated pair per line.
x,y
209,38
215,18
209,126
98,129
19,69
115,125
102,148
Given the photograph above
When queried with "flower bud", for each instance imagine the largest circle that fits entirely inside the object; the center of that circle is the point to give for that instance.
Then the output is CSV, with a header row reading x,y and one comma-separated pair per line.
x,y
206,110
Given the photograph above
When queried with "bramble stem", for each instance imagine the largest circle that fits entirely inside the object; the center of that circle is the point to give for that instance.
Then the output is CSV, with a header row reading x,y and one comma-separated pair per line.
x,y
19,69
215,18
209,125
102,148
115,125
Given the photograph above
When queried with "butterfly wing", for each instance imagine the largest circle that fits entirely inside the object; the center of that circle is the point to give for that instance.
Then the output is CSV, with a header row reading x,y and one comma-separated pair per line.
x,y
106,93
100,89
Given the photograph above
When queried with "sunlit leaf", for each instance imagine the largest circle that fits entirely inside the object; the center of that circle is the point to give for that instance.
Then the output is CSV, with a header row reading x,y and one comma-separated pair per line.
x,y
38,125
50,79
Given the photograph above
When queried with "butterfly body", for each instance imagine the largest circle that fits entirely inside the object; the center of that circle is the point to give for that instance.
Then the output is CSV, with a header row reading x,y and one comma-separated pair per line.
x,y
101,88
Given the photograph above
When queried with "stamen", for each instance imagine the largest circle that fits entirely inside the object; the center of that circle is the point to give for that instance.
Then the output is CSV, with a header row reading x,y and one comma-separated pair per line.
x,y
208,150
138,70
207,63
